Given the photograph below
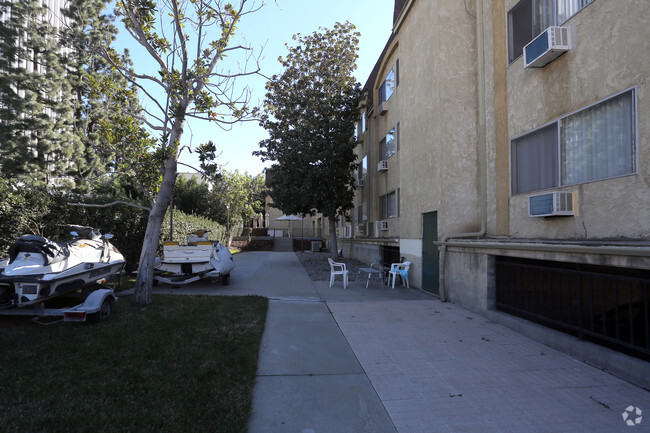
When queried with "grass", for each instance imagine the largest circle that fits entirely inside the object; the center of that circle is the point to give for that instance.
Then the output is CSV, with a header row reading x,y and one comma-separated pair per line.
x,y
183,364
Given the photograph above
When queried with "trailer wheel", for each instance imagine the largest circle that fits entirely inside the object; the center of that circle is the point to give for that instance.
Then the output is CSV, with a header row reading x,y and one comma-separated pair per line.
x,y
104,312
225,279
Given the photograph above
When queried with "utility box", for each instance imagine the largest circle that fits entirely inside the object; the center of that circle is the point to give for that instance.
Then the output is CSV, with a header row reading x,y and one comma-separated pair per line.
x,y
315,246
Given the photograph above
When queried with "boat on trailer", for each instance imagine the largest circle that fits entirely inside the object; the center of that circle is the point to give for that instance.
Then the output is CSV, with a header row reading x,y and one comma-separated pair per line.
x,y
199,258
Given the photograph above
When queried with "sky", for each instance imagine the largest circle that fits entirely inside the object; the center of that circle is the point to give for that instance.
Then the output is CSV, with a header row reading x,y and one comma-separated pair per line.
x,y
269,30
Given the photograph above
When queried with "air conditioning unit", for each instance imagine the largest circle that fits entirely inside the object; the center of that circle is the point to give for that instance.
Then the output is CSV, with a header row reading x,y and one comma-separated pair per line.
x,y
557,203
382,225
549,45
383,165
360,182
383,108
361,228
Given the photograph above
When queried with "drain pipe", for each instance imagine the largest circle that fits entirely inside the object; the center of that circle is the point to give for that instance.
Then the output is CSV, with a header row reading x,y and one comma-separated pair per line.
x,y
481,154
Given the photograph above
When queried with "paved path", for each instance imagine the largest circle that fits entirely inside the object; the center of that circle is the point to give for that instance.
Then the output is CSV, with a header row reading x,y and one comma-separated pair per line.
x,y
378,360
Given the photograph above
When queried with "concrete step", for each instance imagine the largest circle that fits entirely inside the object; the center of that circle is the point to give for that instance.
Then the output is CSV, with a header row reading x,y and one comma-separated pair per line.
x,y
283,244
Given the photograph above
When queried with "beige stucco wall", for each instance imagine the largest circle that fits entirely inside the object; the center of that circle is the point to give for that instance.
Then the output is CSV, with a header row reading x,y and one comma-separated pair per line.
x,y
437,106
609,54
435,103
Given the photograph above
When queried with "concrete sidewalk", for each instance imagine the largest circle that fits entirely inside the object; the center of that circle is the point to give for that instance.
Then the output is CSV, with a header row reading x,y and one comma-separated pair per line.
x,y
382,360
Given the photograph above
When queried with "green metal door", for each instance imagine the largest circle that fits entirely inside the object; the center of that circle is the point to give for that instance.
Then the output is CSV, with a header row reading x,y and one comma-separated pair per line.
x,y
430,262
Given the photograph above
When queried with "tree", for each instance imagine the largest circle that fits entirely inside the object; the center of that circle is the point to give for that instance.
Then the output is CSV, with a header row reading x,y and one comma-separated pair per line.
x,y
242,195
186,83
192,196
36,133
309,112
111,138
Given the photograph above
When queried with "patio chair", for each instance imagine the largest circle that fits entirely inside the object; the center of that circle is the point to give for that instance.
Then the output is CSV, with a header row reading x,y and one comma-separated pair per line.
x,y
338,269
401,269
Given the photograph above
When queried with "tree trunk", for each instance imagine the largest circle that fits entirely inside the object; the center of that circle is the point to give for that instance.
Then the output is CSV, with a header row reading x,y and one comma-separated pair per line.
x,y
144,282
334,249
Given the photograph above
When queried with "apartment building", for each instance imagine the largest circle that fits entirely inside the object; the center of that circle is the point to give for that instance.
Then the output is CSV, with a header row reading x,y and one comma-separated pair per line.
x,y
504,151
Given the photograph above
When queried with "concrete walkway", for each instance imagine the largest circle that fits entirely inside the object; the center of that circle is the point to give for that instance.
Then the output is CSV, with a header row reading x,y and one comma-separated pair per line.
x,y
382,360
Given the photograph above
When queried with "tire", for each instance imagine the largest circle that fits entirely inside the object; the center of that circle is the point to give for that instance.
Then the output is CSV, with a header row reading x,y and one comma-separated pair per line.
x,y
225,279
104,312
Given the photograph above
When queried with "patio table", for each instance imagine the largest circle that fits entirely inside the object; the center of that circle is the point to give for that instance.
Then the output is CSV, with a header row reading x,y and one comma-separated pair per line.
x,y
370,272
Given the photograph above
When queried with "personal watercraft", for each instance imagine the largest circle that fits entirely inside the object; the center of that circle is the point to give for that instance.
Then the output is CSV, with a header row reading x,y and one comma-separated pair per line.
x,y
39,269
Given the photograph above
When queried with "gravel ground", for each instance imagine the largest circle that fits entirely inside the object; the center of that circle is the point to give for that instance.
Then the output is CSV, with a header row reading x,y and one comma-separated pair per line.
x,y
318,268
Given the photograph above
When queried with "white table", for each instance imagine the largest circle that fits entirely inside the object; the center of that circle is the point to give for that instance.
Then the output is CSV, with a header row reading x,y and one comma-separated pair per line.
x,y
370,272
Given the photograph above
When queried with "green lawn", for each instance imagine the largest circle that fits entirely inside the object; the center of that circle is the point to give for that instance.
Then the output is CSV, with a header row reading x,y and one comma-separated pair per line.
x,y
183,364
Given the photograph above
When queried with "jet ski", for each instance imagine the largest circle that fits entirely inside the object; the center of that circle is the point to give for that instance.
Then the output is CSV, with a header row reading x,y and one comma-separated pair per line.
x,y
199,258
39,269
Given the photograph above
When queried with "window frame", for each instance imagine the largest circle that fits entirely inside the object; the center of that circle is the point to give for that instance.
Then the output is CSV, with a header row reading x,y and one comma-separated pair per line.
x,y
513,27
384,148
385,85
362,170
386,211
559,182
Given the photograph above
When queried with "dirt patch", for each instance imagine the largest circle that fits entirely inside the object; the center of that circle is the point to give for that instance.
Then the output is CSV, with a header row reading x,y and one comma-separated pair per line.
x,y
318,268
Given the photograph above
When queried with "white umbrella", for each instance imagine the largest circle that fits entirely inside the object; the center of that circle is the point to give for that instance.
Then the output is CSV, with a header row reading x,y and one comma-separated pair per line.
x,y
289,218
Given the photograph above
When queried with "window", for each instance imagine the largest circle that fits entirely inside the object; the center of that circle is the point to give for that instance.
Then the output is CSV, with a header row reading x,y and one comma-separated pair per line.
x,y
387,145
387,87
529,18
388,205
595,143
396,72
397,130
361,216
362,170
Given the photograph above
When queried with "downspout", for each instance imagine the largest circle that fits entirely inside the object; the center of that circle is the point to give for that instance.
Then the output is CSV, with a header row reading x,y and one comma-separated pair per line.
x,y
481,153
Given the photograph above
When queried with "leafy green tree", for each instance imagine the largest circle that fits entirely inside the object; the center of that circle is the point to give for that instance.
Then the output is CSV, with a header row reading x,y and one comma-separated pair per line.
x,y
192,196
309,113
188,82
36,127
243,197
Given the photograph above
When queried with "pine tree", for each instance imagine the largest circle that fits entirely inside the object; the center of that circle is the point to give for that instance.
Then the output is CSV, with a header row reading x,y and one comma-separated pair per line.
x,y
105,103
36,140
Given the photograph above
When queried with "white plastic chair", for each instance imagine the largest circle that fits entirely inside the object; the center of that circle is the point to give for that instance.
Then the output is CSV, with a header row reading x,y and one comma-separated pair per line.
x,y
401,270
338,269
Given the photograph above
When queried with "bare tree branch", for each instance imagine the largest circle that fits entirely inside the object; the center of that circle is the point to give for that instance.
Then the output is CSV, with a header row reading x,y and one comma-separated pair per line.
x,y
139,35
110,204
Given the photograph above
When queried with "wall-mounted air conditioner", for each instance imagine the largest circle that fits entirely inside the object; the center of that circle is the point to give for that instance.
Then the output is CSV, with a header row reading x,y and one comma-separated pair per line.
x,y
557,203
382,225
361,228
383,165
360,182
549,45
383,107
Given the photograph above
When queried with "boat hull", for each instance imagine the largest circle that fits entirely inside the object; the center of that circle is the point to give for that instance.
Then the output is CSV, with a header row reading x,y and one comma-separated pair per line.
x,y
24,290
183,264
